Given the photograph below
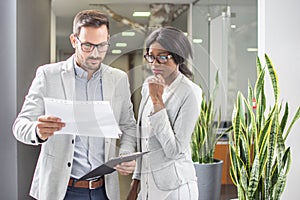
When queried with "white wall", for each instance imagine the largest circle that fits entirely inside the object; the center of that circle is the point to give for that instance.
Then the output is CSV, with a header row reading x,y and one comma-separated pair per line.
x,y
8,145
279,37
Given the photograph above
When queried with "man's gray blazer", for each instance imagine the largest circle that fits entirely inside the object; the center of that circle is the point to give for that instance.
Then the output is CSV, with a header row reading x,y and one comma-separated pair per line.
x,y
54,165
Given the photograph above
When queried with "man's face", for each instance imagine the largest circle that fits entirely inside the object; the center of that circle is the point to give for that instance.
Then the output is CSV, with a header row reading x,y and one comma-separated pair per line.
x,y
90,47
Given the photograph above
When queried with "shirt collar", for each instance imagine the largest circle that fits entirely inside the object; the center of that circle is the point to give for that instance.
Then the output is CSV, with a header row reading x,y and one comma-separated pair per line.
x,y
82,74
175,83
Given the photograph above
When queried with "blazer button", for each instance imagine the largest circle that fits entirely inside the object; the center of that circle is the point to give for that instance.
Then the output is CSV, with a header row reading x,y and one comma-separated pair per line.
x,y
32,141
69,164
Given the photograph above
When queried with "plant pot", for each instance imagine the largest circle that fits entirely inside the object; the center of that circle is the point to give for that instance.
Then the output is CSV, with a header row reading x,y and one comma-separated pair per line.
x,y
209,180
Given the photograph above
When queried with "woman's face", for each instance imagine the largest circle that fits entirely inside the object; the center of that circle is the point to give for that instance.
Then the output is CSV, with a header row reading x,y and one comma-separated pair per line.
x,y
169,69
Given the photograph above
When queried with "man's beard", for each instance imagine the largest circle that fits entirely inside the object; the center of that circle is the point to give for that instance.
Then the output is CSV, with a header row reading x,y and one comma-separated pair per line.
x,y
88,62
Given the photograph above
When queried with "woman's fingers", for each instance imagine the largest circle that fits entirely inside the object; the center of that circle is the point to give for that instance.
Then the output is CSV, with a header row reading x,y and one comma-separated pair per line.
x,y
158,79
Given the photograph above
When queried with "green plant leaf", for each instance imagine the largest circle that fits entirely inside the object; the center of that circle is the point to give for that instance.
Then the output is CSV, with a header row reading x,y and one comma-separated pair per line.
x,y
204,136
271,147
258,66
286,160
233,161
216,86
284,118
243,149
279,186
264,135
244,177
259,85
250,92
232,176
260,98
251,131
274,175
280,146
254,178
295,118
273,76
259,160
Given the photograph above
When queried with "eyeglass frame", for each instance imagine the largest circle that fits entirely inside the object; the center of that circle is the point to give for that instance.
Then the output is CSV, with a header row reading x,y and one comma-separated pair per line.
x,y
93,46
169,56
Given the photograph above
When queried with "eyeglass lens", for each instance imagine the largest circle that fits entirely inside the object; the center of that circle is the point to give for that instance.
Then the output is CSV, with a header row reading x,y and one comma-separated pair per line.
x,y
88,47
161,59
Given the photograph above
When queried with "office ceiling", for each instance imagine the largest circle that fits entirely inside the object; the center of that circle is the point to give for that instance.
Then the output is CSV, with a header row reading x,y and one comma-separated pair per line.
x,y
65,10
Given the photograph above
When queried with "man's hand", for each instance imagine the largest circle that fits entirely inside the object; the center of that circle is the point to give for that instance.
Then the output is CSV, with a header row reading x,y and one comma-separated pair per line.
x,y
125,168
47,125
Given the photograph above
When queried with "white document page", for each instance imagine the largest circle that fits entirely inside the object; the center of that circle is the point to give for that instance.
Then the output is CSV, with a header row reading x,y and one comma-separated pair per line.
x,y
86,118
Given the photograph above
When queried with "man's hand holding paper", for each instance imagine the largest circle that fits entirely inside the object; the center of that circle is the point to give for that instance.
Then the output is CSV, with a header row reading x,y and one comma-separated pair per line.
x,y
86,118
47,125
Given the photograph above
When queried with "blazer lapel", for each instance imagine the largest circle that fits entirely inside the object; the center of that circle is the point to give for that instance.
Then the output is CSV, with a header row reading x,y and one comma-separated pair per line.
x,y
139,125
107,92
141,109
107,84
68,78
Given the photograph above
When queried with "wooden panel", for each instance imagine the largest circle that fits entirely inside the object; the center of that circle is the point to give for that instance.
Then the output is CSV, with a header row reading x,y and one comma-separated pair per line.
x,y
222,153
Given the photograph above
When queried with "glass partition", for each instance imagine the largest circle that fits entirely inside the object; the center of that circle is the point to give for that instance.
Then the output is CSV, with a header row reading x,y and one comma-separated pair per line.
x,y
223,33
225,39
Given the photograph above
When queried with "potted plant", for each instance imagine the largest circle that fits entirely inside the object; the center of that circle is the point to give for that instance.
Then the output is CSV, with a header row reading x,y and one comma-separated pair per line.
x,y
259,157
204,140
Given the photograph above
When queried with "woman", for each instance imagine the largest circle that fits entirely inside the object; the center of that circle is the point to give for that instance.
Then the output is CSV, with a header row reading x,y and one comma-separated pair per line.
x,y
168,112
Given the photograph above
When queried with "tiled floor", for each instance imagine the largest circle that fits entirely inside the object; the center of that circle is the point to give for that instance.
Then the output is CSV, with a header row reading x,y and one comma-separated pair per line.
x,y
228,192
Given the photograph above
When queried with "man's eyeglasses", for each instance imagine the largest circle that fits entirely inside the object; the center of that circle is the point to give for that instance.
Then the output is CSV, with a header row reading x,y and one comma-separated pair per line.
x,y
161,59
89,47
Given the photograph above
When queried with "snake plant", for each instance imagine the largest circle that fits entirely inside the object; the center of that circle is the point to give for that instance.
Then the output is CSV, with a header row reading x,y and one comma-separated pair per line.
x,y
260,160
204,137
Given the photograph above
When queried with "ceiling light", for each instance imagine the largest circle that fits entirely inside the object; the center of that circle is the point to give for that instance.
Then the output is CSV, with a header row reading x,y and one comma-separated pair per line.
x,y
121,44
252,49
233,26
197,40
116,51
141,14
128,33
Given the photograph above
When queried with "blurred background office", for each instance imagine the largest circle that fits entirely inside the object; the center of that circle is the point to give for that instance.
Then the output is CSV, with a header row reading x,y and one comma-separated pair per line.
x,y
227,35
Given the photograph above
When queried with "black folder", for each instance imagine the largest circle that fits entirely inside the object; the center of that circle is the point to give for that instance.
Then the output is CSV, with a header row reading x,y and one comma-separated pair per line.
x,y
108,167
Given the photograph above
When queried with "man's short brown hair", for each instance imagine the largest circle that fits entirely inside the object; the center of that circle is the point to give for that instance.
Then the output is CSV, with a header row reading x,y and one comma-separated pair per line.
x,y
89,18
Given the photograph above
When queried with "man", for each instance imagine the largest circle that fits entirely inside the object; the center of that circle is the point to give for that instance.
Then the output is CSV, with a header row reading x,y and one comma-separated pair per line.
x,y
65,158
